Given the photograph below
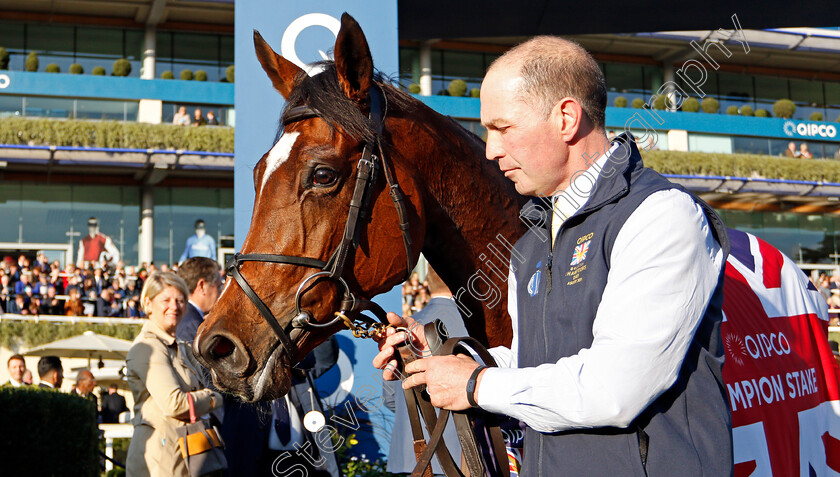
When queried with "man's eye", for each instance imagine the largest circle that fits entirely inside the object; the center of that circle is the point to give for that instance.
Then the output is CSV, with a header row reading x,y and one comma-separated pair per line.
x,y
324,176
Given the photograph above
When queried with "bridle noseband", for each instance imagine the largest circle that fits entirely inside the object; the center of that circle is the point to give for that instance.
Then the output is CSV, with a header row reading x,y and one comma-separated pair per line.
x,y
367,173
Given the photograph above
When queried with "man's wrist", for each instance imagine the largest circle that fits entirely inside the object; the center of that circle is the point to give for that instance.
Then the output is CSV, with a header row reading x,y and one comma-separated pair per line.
x,y
472,385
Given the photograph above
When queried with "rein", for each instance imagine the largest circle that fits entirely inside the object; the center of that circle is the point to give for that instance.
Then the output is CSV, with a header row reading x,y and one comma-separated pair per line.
x,y
369,167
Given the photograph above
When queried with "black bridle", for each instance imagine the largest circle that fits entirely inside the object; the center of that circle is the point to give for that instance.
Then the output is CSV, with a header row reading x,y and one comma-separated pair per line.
x,y
369,166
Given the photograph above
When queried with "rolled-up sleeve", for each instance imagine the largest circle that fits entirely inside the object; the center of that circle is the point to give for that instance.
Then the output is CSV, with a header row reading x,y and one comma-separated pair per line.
x,y
665,265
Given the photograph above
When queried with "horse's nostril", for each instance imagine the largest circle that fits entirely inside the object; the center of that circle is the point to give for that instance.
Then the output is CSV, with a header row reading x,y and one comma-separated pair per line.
x,y
222,348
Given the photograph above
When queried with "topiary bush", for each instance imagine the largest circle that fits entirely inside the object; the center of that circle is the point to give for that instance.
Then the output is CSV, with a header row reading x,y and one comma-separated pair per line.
x,y
659,101
762,113
122,67
691,105
732,110
52,68
167,75
229,74
38,423
638,103
457,87
475,93
784,108
620,102
746,110
443,92
31,63
710,105
200,75
4,58
816,116
186,75
76,69
98,71
414,88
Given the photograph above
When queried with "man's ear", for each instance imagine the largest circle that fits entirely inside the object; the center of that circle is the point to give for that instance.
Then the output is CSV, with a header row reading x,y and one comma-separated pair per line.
x,y
568,115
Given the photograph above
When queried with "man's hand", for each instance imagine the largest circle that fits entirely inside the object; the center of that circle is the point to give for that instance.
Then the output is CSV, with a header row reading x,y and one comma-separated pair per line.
x,y
445,378
392,338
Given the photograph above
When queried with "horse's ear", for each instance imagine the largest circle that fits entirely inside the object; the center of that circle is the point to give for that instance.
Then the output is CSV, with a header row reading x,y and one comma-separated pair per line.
x,y
281,71
353,61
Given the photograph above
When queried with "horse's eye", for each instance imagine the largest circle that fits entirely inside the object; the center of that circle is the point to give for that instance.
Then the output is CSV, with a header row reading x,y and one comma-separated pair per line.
x,y
324,176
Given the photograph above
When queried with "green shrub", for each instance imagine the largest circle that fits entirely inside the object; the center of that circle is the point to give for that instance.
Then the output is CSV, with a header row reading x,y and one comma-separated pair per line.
x,y
4,58
52,68
114,135
122,67
747,110
443,92
816,116
186,75
76,69
457,88
784,108
691,105
475,93
116,472
98,71
201,75
710,105
620,102
167,75
31,63
659,101
638,103
732,110
229,74
38,423
762,113
414,88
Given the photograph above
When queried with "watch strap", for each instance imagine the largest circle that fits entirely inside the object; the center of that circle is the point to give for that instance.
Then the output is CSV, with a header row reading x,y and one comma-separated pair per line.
x,y
471,384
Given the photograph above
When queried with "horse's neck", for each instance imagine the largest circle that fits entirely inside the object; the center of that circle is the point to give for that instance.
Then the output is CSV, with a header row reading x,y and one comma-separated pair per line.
x,y
472,221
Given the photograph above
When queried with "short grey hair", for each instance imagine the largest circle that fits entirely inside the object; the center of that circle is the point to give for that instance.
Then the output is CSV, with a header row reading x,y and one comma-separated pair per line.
x,y
157,282
553,68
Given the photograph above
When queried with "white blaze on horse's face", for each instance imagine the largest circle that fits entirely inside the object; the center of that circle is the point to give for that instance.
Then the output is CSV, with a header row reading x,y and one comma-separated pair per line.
x,y
279,154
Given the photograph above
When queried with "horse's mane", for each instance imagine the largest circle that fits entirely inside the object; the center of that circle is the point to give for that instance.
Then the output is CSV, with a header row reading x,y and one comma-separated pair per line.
x,y
323,93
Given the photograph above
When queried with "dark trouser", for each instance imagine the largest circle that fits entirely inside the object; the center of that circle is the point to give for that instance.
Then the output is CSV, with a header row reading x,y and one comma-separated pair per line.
x,y
287,464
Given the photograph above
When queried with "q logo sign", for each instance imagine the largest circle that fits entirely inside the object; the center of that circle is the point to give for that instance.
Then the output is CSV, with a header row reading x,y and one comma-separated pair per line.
x,y
287,44
4,81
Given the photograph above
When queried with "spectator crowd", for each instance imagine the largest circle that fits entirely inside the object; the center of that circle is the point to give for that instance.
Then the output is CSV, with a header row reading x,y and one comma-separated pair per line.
x,y
43,288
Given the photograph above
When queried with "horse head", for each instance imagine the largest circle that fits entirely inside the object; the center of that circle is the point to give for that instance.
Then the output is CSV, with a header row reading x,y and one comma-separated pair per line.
x,y
301,262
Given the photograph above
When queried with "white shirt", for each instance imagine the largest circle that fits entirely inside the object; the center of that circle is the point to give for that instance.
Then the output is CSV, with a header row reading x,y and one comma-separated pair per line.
x,y
295,428
16,384
665,265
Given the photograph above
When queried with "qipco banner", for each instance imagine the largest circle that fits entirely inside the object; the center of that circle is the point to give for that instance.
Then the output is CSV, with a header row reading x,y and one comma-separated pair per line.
x,y
780,374
303,32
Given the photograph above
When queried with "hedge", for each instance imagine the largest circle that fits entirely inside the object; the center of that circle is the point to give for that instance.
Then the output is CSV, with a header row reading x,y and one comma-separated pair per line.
x,y
16,334
742,165
114,134
46,432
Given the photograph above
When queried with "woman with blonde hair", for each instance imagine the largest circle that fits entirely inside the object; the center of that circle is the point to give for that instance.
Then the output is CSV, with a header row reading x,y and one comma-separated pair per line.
x,y
160,376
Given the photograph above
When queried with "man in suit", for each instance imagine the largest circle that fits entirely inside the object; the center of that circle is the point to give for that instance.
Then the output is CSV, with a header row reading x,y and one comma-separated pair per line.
x,y
85,384
401,458
17,367
50,372
113,404
205,284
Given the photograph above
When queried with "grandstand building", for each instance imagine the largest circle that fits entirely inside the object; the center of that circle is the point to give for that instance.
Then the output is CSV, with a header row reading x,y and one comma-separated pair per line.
x,y
147,189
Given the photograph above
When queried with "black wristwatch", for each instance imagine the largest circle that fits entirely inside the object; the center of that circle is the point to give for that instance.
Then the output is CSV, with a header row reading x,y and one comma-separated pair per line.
x,y
471,386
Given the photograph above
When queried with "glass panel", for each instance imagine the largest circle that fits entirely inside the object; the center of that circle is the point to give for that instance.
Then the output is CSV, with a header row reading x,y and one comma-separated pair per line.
x,y
771,89
624,77
54,44
163,225
806,91
11,38
750,145
464,65
9,211
46,212
106,110
226,54
49,107
10,106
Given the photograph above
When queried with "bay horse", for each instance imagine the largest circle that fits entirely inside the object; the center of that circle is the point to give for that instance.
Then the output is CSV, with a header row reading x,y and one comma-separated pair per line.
x,y
454,206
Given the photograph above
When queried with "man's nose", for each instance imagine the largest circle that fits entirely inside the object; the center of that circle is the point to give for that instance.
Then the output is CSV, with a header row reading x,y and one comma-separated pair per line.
x,y
493,149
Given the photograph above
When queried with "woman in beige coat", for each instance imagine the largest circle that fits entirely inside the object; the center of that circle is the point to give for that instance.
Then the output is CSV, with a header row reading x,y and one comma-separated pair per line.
x,y
160,378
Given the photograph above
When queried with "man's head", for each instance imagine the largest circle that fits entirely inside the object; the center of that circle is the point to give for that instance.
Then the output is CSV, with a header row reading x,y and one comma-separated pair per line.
x,y
17,366
200,228
211,115
112,388
85,382
197,113
51,371
792,146
539,101
93,226
203,281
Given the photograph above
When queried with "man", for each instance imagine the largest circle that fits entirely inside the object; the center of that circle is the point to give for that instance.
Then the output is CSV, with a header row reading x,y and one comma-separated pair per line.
x,y
791,150
113,404
200,244
198,119
17,368
401,457
615,291
85,384
94,244
50,372
205,283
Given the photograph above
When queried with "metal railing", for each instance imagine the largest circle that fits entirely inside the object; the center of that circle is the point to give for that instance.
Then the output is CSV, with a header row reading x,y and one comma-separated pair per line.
x,y
70,319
